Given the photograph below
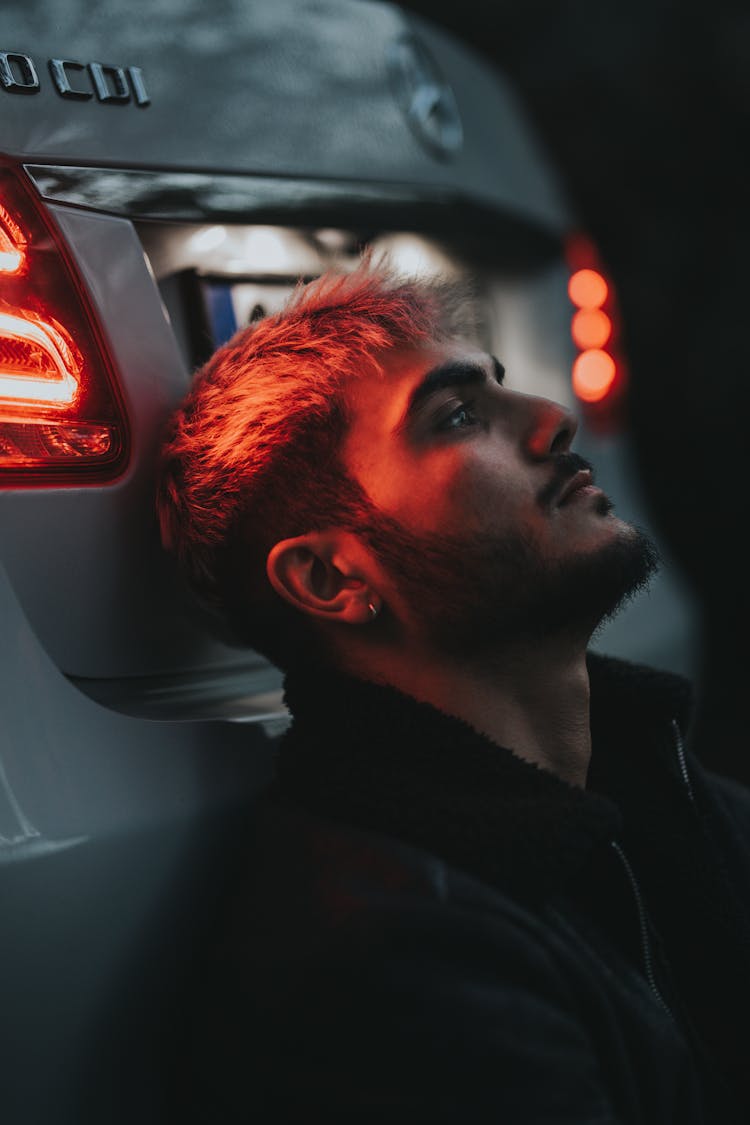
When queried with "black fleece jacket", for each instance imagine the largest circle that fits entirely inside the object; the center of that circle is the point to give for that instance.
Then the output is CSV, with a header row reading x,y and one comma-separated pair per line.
x,y
432,930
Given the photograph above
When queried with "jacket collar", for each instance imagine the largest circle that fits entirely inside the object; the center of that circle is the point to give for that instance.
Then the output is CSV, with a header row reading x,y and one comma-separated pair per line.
x,y
371,757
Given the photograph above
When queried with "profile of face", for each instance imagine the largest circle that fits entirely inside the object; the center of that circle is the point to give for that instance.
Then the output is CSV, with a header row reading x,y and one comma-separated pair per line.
x,y
486,526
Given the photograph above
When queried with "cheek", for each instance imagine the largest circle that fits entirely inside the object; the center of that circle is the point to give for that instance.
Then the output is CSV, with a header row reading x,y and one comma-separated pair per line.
x,y
492,492
449,492
416,493
481,499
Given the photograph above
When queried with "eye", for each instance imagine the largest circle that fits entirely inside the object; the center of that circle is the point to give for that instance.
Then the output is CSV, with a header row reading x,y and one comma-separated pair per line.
x,y
459,418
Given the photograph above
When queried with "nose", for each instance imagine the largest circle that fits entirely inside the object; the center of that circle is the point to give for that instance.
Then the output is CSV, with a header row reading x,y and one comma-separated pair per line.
x,y
552,427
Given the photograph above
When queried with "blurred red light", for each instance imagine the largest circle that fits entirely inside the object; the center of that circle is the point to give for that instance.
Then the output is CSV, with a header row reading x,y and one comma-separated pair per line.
x,y
591,328
587,289
593,375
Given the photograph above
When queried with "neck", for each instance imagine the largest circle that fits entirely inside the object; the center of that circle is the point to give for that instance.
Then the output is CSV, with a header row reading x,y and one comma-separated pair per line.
x,y
535,703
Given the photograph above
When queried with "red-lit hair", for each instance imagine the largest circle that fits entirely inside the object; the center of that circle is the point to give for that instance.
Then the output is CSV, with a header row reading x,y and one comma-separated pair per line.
x,y
251,456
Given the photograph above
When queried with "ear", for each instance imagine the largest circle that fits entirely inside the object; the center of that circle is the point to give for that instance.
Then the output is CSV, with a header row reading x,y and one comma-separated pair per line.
x,y
325,574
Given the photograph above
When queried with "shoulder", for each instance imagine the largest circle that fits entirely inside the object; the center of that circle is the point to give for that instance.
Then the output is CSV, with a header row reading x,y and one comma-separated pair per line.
x,y
338,873
324,904
373,966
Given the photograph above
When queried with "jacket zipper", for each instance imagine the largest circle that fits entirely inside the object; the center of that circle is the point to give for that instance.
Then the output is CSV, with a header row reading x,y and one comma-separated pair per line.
x,y
648,961
681,760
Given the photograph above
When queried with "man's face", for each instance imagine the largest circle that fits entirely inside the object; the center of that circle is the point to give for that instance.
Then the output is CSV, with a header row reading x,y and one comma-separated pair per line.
x,y
489,527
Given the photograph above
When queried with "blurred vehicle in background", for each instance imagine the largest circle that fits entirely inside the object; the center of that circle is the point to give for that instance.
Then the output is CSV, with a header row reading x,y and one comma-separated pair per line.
x,y
158,191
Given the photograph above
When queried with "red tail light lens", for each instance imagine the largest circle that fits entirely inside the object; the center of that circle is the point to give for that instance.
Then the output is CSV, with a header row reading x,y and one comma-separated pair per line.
x,y
12,245
61,418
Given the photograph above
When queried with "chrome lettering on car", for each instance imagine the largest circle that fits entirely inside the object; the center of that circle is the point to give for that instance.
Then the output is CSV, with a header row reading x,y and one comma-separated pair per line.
x,y
18,73
74,80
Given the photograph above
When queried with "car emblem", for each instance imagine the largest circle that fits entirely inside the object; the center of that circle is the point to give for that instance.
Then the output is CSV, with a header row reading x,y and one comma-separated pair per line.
x,y
73,80
426,99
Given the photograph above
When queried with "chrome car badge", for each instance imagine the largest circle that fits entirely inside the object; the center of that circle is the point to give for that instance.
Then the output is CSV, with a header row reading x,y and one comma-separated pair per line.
x,y
427,101
73,80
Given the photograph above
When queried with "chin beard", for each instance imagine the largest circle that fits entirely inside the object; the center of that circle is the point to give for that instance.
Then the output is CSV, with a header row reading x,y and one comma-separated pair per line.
x,y
590,590
472,596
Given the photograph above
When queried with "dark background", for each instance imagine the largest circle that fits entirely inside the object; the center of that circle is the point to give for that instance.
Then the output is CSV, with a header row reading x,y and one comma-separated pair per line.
x,y
643,107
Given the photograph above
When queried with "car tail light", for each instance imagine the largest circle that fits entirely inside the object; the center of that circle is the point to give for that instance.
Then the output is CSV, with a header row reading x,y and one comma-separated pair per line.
x,y
599,374
61,419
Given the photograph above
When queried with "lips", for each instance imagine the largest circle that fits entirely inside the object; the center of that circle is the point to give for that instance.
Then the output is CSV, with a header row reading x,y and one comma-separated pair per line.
x,y
579,480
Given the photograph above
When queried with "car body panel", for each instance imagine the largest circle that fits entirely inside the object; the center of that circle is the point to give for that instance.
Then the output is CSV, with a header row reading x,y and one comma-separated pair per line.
x,y
288,89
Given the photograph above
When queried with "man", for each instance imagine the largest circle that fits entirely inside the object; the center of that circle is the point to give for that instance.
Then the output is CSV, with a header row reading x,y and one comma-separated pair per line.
x,y
488,882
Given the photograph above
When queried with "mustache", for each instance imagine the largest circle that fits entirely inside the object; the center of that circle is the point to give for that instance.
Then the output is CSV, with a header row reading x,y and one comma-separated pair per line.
x,y
565,465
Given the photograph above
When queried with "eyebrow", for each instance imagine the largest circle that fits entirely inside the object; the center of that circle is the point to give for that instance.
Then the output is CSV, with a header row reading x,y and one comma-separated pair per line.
x,y
455,373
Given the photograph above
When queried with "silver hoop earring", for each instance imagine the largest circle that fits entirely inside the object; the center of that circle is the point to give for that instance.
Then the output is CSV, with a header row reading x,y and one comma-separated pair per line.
x,y
373,610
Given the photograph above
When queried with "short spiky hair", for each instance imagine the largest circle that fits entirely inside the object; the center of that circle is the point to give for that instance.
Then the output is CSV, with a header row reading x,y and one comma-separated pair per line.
x,y
251,455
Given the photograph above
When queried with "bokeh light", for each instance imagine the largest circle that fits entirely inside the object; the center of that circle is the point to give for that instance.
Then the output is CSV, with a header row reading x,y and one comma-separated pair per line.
x,y
593,375
587,289
591,328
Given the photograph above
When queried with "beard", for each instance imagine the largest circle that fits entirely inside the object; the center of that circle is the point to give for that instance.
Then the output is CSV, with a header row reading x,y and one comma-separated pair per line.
x,y
474,594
